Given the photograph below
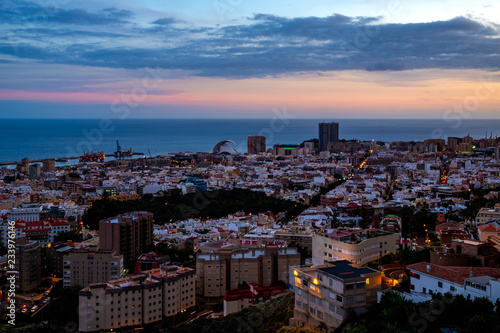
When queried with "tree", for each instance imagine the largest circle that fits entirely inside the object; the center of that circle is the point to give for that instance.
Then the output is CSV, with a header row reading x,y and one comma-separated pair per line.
x,y
68,235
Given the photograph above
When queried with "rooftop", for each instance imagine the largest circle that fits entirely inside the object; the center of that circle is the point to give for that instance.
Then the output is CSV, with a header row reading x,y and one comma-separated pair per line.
x,y
454,273
344,270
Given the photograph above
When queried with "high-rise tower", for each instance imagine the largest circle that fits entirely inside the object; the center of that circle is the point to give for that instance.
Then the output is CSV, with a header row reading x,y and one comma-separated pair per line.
x,y
328,132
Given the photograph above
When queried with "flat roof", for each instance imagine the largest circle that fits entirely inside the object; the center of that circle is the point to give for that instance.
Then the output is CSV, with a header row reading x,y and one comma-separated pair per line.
x,y
344,270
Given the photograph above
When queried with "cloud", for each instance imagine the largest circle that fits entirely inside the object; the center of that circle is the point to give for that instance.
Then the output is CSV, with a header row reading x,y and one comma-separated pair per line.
x,y
267,45
166,21
29,13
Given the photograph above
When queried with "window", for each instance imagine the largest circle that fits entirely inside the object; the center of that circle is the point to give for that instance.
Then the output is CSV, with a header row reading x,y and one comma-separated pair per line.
x,y
360,285
415,275
360,310
440,284
349,286
349,300
339,298
412,287
452,288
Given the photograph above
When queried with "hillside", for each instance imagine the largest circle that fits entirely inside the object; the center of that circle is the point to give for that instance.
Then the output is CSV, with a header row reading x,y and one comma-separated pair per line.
x,y
268,317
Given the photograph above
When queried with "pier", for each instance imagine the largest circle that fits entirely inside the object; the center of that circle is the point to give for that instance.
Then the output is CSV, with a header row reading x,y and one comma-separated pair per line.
x,y
40,160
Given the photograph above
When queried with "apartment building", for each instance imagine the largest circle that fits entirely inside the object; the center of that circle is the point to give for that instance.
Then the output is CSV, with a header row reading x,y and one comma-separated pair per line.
x,y
296,236
129,234
486,215
325,293
358,246
86,266
28,265
150,297
226,269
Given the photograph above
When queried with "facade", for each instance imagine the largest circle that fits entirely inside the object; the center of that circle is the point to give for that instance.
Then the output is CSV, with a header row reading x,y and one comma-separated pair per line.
x,y
129,234
28,265
486,215
470,282
447,234
44,232
55,257
146,298
488,231
463,253
35,171
358,247
296,236
49,165
256,144
27,212
227,269
328,132
151,260
86,266
325,293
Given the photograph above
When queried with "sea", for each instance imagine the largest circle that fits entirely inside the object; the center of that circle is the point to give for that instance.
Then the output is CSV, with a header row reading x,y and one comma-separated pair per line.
x,y
63,138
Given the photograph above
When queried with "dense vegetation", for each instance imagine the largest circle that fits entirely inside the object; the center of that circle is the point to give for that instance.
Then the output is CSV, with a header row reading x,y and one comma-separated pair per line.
x,y
324,190
266,318
455,313
194,205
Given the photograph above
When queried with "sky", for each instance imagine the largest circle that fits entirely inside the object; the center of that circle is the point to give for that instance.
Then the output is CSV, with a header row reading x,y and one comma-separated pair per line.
x,y
246,59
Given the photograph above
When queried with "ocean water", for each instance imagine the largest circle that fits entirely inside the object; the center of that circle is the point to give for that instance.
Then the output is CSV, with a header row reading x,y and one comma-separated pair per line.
x,y
36,138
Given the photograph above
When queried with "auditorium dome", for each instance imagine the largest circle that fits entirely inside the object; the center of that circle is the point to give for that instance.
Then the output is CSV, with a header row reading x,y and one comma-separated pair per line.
x,y
223,147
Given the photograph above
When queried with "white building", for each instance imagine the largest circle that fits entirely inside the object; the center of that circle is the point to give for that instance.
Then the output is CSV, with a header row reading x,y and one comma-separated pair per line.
x,y
27,212
43,232
358,246
470,282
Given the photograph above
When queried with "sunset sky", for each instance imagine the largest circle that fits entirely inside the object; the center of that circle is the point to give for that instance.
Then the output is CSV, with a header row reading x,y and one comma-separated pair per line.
x,y
242,59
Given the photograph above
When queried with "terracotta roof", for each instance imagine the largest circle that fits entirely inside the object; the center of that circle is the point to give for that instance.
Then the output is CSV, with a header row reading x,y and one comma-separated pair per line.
x,y
489,227
454,273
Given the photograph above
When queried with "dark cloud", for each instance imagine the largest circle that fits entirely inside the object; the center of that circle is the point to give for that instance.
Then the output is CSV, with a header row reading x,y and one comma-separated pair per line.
x,y
267,45
165,21
118,13
29,13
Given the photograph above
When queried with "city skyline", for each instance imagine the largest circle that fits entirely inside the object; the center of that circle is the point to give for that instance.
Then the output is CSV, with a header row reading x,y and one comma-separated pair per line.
x,y
234,59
